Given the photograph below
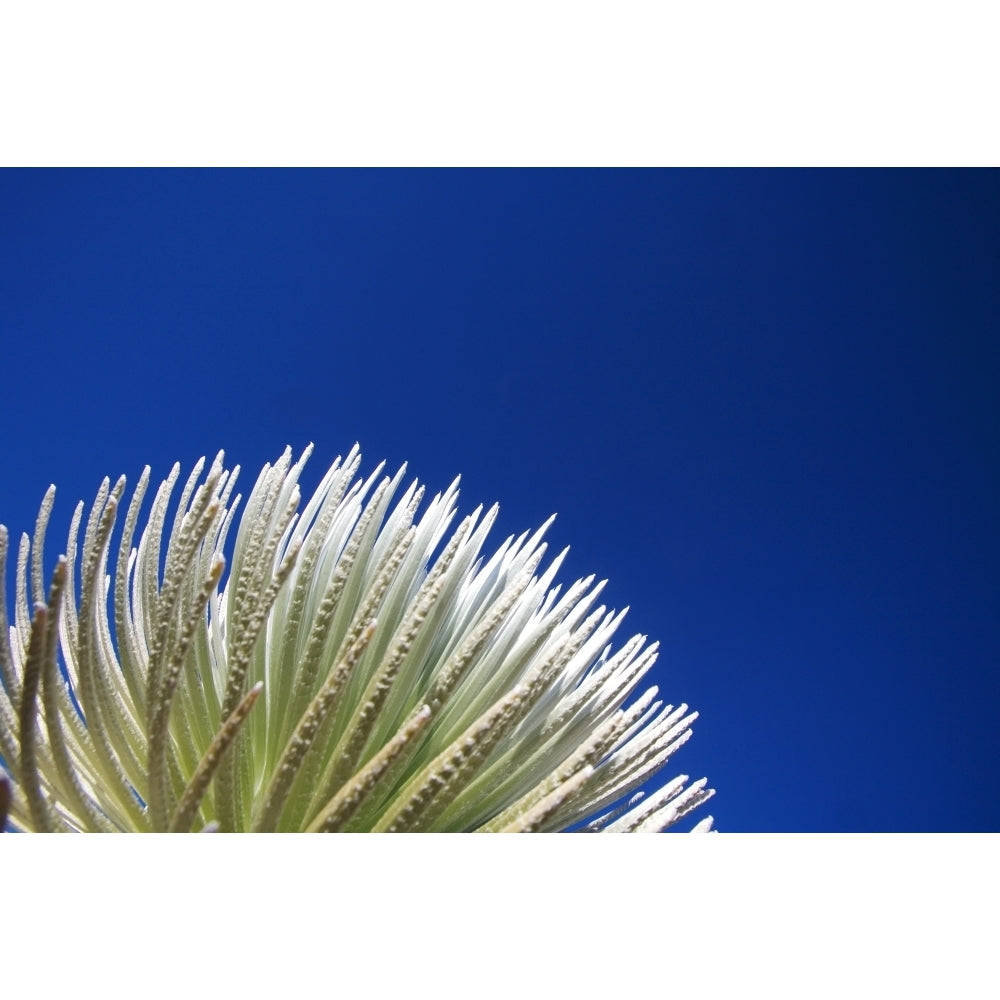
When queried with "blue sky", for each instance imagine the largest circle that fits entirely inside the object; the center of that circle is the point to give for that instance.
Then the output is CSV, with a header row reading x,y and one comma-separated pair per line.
x,y
763,404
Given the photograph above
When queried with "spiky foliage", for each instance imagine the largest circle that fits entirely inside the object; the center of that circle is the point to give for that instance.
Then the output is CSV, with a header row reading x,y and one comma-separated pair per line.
x,y
357,671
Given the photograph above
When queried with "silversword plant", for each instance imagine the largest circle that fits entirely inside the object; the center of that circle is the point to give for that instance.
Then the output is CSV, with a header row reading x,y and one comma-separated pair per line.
x,y
360,669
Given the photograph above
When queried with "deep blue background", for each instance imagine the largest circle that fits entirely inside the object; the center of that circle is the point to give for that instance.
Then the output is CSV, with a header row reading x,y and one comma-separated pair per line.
x,y
763,403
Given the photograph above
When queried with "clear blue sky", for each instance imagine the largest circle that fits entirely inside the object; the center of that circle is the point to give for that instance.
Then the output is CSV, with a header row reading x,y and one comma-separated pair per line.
x,y
763,404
